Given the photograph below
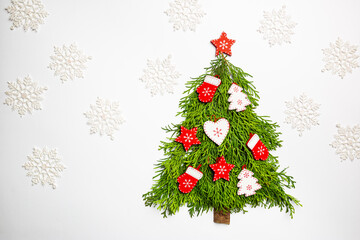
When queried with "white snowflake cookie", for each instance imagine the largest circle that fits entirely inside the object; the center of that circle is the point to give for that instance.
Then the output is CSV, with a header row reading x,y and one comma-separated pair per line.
x,y
104,118
302,113
340,58
277,27
44,166
185,14
68,62
160,76
28,14
347,142
24,96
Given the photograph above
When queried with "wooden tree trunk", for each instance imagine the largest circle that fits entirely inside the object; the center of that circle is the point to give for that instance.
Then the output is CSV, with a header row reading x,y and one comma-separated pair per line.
x,y
221,217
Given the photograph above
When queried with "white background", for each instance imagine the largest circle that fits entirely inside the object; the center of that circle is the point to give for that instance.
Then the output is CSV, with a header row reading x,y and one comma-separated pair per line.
x,y
99,195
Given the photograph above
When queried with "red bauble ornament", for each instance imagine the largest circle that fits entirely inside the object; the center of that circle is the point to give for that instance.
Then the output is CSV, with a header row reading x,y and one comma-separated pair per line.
x,y
188,137
208,88
223,44
258,149
221,169
189,179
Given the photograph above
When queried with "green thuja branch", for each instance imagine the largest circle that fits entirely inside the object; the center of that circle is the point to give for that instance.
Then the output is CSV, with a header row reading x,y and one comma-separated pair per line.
x,y
220,195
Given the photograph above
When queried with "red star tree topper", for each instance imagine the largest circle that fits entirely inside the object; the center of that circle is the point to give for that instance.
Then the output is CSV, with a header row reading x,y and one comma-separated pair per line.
x,y
188,137
221,169
223,44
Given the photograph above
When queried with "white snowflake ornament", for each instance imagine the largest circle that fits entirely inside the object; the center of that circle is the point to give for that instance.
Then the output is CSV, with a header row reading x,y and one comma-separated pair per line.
x,y
302,113
68,62
347,142
26,13
44,166
340,58
104,118
160,76
277,27
24,96
185,14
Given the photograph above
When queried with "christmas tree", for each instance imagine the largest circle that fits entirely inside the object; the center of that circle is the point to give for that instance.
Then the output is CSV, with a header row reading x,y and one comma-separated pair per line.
x,y
220,140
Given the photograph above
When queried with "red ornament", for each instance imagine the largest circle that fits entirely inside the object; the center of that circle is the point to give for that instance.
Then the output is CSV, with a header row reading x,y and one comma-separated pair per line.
x,y
189,179
258,149
188,137
221,169
223,44
208,88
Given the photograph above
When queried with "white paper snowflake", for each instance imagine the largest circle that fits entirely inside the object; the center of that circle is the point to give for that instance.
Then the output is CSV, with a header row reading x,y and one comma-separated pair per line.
x,y
44,166
277,27
160,76
347,142
24,96
68,62
302,113
104,117
340,58
185,14
26,13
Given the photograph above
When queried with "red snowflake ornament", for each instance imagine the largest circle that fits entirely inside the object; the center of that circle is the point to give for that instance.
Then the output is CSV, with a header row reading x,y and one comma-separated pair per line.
x,y
221,169
223,44
188,137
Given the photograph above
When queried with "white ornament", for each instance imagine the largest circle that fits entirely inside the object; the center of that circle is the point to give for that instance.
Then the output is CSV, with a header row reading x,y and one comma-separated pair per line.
x,y
24,96
218,130
44,166
347,142
340,58
160,76
26,13
247,184
104,117
277,27
185,14
302,113
238,100
68,62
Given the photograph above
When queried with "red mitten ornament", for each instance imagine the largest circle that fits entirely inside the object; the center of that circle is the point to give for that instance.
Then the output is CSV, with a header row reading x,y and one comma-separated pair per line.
x,y
189,179
258,149
208,88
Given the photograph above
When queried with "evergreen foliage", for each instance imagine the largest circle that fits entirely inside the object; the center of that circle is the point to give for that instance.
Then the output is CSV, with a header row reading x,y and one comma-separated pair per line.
x,y
220,195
